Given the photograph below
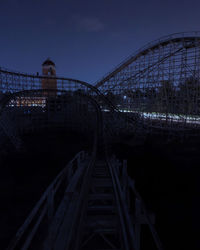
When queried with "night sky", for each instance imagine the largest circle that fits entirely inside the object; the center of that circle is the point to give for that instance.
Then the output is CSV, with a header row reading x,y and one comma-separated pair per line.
x,y
86,38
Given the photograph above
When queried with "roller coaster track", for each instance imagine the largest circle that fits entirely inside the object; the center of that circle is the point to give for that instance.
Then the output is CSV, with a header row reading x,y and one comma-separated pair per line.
x,y
15,85
12,91
87,206
160,82
177,37
16,92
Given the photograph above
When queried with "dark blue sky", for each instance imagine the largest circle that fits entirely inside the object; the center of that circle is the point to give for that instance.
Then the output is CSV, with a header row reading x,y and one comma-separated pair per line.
x,y
86,38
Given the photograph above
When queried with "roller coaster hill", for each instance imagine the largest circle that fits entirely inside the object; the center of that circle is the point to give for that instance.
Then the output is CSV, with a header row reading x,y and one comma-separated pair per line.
x,y
93,202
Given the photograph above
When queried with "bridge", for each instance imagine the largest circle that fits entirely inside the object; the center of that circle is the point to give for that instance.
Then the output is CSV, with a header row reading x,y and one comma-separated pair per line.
x,y
93,203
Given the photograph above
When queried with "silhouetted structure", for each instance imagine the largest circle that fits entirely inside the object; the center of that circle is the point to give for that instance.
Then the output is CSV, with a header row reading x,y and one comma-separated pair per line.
x,y
88,204
49,69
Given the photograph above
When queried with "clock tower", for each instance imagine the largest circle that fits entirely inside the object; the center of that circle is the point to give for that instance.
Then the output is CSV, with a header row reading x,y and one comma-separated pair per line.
x,y
49,70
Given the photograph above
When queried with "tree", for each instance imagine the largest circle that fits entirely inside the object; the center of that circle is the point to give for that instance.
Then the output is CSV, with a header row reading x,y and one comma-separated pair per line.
x,y
114,98
166,97
189,96
150,99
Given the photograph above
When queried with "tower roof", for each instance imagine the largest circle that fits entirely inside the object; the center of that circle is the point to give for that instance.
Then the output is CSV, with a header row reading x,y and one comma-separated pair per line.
x,y
48,62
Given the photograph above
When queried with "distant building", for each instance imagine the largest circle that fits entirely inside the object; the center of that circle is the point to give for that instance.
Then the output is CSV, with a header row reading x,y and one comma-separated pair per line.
x,y
49,69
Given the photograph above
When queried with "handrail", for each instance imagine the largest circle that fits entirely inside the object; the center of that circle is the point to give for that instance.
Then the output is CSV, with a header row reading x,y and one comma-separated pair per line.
x,y
129,235
126,226
147,218
47,198
74,236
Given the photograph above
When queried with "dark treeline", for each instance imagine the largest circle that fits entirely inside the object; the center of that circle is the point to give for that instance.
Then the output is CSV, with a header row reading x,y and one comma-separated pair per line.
x,y
165,97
